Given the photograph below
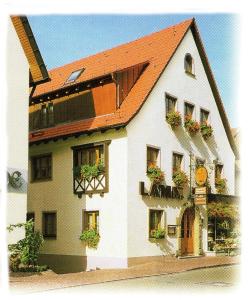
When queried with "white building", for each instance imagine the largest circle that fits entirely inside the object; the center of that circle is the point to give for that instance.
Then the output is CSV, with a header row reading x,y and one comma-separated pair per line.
x,y
24,63
112,106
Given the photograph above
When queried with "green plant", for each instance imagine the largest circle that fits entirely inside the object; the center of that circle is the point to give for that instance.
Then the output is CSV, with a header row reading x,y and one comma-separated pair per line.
x,y
206,130
220,184
191,125
158,233
25,251
223,210
180,178
174,119
90,171
155,174
91,237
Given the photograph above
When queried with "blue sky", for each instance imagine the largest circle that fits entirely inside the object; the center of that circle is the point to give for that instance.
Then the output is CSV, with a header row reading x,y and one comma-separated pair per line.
x,y
65,38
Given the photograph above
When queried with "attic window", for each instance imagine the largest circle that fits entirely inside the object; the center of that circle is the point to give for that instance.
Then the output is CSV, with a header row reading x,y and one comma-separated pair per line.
x,y
189,64
74,76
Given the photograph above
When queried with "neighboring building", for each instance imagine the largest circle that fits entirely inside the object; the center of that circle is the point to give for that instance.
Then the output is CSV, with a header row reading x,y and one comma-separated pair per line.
x,y
25,70
111,108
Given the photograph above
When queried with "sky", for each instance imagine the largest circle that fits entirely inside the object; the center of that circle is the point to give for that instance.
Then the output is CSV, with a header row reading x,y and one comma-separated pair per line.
x,y
65,38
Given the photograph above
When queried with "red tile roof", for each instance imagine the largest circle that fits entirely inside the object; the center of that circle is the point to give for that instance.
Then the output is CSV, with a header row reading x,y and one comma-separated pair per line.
x,y
157,48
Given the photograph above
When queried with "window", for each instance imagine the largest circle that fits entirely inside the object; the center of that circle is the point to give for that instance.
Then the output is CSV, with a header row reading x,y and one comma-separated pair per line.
x,y
188,109
41,167
91,220
49,224
170,103
189,64
91,155
46,115
218,171
74,76
177,162
204,116
30,216
155,218
152,157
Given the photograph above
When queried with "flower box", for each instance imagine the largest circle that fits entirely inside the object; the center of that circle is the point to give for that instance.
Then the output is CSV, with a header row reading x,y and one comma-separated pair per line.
x,y
191,126
206,130
174,119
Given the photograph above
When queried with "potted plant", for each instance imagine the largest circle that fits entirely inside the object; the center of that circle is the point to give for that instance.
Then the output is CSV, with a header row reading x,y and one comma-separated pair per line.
x,y
180,178
91,237
191,125
157,233
220,184
174,119
206,130
155,174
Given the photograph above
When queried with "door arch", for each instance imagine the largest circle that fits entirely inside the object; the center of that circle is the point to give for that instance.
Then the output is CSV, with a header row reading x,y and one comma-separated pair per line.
x,y
187,231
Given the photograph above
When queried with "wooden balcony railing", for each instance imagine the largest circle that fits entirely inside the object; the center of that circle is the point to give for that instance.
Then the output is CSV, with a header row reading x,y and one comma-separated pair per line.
x,y
94,185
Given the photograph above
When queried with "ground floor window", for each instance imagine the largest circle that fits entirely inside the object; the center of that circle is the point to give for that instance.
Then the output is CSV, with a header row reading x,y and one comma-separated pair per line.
x,y
91,220
223,227
49,224
156,223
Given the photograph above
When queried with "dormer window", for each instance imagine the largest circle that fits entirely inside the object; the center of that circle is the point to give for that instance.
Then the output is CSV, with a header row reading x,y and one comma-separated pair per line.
x,y
189,64
74,76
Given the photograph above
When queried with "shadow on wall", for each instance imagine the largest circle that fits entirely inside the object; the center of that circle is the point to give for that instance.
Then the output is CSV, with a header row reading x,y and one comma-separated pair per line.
x,y
184,140
165,246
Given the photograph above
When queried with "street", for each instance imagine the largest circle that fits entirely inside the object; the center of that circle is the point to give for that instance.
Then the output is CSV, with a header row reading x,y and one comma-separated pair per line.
x,y
217,278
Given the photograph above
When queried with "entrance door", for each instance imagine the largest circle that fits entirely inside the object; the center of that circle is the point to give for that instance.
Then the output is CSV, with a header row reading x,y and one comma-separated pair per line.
x,y
187,232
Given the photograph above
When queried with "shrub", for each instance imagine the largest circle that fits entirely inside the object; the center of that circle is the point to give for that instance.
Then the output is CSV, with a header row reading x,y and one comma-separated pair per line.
x,y
91,237
220,184
25,251
191,125
206,130
155,174
174,119
158,233
180,178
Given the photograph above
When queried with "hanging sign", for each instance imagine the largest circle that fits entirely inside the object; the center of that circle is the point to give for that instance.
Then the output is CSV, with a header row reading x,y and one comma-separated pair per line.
x,y
200,199
201,175
201,190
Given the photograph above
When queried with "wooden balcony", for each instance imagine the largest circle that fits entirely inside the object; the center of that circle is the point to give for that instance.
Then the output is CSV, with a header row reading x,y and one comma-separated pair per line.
x,y
95,185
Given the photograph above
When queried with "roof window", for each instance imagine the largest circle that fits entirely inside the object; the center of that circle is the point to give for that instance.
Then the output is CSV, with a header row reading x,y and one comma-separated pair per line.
x,y
74,76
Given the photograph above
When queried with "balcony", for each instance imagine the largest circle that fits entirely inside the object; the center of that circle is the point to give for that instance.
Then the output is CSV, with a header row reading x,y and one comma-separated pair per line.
x,y
94,185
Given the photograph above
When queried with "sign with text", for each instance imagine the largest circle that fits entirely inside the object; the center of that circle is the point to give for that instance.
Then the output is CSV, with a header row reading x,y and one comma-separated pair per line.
x,y
201,175
200,199
201,190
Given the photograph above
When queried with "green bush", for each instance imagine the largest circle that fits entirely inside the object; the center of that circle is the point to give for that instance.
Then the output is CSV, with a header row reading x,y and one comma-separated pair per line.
x,y
220,184
91,237
26,251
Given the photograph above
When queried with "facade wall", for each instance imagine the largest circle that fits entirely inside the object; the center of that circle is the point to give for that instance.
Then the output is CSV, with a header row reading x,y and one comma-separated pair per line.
x,y
17,129
149,127
57,195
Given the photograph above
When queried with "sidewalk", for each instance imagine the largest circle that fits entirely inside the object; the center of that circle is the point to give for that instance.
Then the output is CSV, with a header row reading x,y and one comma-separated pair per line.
x,y
166,265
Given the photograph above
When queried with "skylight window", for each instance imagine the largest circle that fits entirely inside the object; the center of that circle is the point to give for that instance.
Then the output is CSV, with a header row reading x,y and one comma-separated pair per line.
x,y
74,76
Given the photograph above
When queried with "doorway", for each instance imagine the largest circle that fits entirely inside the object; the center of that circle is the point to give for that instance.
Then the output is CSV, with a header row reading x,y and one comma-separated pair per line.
x,y
187,232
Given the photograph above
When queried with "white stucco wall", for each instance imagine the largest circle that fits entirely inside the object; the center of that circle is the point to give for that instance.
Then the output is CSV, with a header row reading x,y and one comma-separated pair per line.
x,y
150,128
57,195
17,127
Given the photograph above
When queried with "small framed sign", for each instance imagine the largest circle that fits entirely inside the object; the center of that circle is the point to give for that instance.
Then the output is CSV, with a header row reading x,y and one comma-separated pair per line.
x,y
172,229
